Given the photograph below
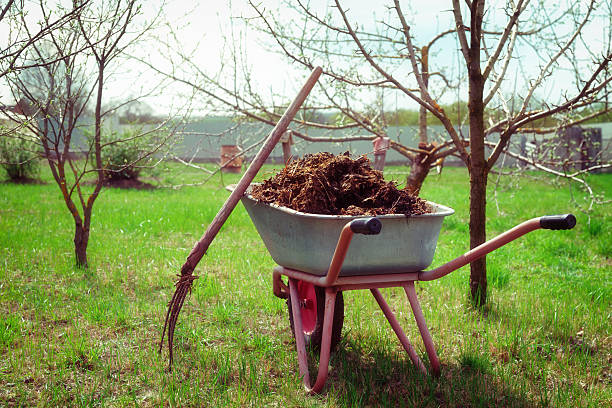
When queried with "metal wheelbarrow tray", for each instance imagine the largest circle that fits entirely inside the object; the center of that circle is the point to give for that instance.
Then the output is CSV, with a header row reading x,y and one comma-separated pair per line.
x,y
390,251
306,242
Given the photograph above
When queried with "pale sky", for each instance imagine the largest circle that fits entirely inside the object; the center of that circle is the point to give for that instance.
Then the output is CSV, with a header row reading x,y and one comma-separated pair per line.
x,y
202,27
212,20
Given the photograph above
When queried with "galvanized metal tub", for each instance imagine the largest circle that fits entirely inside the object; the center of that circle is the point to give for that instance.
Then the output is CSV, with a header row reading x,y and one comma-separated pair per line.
x,y
306,242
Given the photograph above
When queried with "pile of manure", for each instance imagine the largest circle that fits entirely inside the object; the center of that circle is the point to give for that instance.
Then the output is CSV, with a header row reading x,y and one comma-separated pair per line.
x,y
323,183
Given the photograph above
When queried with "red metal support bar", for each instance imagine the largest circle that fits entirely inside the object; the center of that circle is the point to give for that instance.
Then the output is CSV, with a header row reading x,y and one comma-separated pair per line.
x,y
328,319
389,280
279,288
398,330
300,342
481,250
339,254
422,325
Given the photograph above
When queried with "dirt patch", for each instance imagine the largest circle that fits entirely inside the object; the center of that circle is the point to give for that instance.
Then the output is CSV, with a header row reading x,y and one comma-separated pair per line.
x,y
23,180
128,184
337,185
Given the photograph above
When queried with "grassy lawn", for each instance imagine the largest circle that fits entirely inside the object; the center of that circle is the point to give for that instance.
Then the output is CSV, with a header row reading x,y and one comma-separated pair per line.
x,y
72,337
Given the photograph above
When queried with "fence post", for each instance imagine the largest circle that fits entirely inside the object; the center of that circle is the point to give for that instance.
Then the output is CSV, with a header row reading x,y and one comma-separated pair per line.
x,y
381,145
287,140
231,160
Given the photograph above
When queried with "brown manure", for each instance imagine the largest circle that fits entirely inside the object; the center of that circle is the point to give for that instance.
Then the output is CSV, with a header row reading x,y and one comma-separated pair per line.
x,y
323,183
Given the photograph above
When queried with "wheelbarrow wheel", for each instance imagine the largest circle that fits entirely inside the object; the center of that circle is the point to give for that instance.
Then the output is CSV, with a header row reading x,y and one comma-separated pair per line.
x,y
312,308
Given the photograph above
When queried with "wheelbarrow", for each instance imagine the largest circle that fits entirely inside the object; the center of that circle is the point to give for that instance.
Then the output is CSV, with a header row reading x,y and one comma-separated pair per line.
x,y
322,258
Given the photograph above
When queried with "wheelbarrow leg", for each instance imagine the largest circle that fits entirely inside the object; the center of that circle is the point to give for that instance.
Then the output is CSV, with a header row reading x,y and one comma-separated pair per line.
x,y
328,319
422,325
299,340
398,330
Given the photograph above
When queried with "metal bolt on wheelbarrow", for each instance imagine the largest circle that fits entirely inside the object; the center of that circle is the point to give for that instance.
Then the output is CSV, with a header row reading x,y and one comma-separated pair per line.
x,y
388,251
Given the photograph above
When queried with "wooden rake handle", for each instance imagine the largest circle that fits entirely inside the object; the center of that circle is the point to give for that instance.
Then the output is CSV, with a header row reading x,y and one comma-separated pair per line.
x,y
183,285
211,232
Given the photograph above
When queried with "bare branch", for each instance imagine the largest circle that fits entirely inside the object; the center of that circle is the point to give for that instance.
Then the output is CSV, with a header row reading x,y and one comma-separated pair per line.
x,y
512,26
461,28
570,176
554,58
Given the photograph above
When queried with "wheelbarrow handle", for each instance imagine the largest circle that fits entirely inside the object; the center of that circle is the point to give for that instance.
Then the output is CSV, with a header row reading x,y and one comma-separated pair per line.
x,y
553,222
367,226
558,222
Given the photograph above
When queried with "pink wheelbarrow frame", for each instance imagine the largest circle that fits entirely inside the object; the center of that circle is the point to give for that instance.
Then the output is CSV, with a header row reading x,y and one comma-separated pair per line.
x,y
333,283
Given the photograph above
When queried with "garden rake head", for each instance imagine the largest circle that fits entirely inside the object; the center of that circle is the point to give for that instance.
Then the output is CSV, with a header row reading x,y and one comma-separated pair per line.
x,y
183,287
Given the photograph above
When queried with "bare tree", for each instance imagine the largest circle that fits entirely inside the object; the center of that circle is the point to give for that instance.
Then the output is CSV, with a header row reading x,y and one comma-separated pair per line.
x,y
66,76
567,152
521,41
20,39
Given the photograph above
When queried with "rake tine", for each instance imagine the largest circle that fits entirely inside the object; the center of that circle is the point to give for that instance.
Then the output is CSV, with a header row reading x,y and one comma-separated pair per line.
x,y
170,303
172,327
183,287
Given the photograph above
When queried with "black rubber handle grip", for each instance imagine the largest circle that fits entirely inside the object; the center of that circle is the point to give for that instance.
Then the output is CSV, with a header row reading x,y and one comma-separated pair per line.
x,y
368,226
558,222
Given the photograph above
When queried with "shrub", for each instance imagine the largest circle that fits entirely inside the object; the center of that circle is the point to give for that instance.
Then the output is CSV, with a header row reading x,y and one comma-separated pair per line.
x,y
125,153
18,153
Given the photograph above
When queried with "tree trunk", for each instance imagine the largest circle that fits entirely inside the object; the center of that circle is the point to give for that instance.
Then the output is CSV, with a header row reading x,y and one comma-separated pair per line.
x,y
81,234
422,109
416,178
422,163
478,198
477,164
478,205
419,169
81,239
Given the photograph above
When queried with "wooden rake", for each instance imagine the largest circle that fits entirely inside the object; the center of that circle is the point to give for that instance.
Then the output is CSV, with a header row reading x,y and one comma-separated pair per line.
x,y
186,278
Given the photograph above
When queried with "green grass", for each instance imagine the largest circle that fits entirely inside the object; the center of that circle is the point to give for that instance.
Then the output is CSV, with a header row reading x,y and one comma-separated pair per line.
x,y
73,337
